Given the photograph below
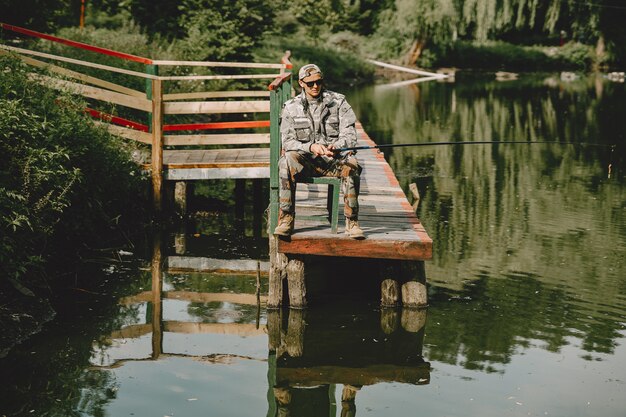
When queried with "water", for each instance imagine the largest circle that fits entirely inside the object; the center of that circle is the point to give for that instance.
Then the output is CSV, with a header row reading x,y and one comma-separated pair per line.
x,y
527,290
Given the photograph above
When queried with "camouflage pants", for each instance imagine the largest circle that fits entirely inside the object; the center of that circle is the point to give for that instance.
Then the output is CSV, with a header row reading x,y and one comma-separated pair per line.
x,y
293,165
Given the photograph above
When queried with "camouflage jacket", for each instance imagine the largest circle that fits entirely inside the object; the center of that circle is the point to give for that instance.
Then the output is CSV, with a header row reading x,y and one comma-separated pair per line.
x,y
336,127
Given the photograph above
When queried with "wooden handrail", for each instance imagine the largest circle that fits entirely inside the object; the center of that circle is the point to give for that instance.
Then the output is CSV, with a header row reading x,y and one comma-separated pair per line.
x,y
120,121
217,125
278,81
74,44
219,64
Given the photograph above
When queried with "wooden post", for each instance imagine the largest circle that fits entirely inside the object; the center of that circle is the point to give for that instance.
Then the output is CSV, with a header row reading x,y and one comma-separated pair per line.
x,y
388,320
296,282
156,269
348,397
277,273
389,293
413,319
274,329
294,340
180,198
414,294
157,144
275,149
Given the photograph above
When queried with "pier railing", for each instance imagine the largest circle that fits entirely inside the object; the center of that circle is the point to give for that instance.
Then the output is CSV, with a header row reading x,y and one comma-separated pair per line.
x,y
158,128
280,92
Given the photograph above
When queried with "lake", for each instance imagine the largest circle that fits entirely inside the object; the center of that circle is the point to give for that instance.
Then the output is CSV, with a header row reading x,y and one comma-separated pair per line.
x,y
527,285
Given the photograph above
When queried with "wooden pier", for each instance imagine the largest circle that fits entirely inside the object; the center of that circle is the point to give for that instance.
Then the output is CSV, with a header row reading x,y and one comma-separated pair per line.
x,y
246,151
393,230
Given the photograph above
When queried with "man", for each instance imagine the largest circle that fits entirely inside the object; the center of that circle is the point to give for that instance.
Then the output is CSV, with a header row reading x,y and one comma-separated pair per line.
x,y
313,126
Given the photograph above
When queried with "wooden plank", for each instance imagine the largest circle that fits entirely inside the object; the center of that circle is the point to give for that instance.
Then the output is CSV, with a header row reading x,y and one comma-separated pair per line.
x,y
181,174
94,92
208,107
237,329
124,132
321,375
368,248
219,64
204,264
78,62
225,139
214,94
138,330
75,44
77,75
196,297
246,124
217,77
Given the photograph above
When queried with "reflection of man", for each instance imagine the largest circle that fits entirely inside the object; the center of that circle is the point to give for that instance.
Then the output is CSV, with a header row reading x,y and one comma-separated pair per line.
x,y
313,125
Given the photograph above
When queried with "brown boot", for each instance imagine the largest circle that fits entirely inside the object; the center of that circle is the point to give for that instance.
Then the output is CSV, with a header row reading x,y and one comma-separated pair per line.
x,y
285,224
353,229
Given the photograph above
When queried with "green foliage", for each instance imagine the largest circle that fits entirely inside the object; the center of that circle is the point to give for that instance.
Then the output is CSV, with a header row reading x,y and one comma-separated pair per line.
x,y
41,15
501,55
63,181
341,68
217,30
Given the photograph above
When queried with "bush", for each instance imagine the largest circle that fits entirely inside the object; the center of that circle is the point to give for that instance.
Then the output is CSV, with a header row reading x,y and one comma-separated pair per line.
x,y
506,56
64,182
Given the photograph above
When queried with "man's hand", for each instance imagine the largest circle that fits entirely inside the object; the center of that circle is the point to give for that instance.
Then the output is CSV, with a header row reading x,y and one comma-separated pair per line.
x,y
321,150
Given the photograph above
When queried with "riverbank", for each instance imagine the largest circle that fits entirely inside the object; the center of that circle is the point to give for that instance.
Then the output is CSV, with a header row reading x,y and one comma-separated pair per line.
x,y
21,317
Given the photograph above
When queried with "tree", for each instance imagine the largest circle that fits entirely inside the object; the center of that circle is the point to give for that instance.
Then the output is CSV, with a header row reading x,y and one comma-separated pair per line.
x,y
413,23
218,30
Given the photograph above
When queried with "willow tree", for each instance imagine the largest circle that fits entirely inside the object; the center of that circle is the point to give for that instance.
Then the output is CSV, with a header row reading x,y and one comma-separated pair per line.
x,y
411,24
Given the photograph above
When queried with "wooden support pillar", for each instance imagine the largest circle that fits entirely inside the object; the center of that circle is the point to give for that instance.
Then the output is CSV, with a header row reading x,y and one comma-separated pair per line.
x,y
180,240
156,269
294,340
389,293
296,282
389,320
348,397
157,145
180,198
411,276
413,319
277,273
283,399
275,330
414,294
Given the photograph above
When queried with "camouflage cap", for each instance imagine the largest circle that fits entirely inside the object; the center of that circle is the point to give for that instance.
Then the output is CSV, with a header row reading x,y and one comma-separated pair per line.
x,y
308,70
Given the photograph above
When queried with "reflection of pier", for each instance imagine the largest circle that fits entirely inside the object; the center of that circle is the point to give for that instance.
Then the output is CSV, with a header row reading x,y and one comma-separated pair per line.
x,y
310,354
155,325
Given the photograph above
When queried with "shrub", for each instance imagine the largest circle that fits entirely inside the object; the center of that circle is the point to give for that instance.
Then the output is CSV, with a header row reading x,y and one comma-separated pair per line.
x,y
64,182
501,55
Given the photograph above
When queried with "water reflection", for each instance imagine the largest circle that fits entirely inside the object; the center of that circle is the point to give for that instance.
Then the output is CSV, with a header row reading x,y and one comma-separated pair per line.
x,y
186,298
311,353
527,295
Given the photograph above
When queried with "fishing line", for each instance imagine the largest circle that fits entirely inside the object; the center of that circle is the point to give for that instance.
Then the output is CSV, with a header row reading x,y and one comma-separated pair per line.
x,y
487,142
484,142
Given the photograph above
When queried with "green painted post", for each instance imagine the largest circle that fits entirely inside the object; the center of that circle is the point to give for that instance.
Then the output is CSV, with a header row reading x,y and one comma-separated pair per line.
x,y
275,148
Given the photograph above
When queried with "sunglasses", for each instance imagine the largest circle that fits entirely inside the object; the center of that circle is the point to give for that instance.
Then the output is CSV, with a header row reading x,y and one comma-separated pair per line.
x,y
312,83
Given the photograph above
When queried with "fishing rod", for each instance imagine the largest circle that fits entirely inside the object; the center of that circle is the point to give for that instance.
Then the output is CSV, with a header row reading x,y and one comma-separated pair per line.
x,y
482,142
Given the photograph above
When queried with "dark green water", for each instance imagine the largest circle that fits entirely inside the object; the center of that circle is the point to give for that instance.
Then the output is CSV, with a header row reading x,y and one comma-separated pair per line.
x,y
527,291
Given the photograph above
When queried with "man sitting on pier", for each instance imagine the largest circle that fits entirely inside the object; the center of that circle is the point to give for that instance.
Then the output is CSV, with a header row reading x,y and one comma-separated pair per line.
x,y
313,126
